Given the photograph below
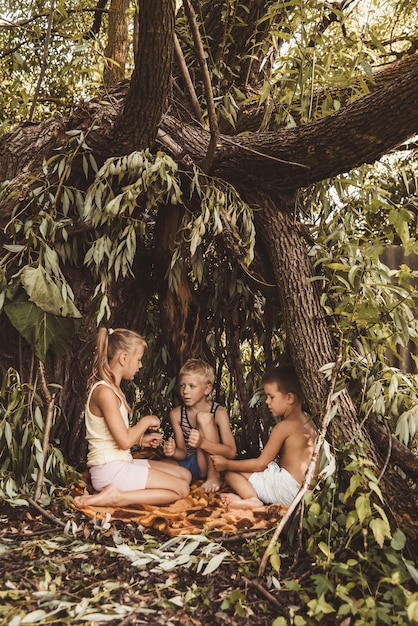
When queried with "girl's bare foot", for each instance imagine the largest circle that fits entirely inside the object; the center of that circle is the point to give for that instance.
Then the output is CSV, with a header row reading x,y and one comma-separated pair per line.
x,y
233,501
107,497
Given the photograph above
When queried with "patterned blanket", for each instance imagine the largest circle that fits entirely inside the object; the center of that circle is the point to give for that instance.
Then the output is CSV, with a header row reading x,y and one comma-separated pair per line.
x,y
197,513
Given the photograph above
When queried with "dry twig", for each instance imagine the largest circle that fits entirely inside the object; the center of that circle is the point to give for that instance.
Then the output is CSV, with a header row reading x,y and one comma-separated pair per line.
x,y
46,514
268,596
48,424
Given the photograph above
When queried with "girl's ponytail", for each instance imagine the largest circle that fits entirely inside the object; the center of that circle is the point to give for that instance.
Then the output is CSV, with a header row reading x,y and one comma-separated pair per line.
x,y
109,343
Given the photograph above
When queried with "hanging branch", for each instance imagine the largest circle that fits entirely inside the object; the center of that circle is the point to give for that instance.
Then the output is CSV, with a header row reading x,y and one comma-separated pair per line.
x,y
48,424
250,424
311,470
213,122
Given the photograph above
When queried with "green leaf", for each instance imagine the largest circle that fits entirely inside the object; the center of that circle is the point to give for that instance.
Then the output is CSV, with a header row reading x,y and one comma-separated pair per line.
x,y
382,513
400,219
13,247
43,292
325,549
214,563
412,570
352,518
375,487
320,606
40,329
363,507
188,548
380,529
34,617
355,482
398,541
412,611
341,267
275,561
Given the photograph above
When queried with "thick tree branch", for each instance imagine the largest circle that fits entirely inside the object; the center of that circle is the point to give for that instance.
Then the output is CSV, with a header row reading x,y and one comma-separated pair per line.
x,y
293,158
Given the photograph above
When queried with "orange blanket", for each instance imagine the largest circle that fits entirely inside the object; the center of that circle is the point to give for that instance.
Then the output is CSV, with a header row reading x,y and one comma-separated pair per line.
x,y
197,513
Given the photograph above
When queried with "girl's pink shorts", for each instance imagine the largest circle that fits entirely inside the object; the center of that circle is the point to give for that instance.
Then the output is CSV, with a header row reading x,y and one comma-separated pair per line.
x,y
125,475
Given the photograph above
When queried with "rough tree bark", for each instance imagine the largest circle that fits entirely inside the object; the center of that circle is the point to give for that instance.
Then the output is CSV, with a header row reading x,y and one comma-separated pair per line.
x,y
285,160
146,100
117,44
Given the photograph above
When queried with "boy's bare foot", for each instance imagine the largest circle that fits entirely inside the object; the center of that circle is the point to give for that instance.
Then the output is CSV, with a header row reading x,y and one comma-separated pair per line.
x,y
233,501
212,484
107,497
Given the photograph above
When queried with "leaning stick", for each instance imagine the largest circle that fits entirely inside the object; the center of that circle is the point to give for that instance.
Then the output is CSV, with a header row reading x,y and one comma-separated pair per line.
x,y
48,425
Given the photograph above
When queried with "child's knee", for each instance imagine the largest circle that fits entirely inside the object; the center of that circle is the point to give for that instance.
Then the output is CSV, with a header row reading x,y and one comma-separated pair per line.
x,y
204,418
183,489
206,425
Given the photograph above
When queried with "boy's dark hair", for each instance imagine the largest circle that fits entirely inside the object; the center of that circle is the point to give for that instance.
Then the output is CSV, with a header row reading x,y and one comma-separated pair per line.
x,y
285,378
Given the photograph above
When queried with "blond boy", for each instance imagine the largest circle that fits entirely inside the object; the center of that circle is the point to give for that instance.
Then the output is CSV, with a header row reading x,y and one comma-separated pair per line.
x,y
201,427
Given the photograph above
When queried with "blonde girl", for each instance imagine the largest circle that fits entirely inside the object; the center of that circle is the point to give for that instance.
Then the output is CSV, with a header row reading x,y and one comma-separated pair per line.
x,y
117,477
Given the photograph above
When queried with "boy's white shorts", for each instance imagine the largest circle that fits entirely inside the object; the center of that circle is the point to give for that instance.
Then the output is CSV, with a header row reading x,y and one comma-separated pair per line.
x,y
274,485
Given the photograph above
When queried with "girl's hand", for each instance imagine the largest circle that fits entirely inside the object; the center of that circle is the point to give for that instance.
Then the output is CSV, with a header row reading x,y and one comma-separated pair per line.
x,y
152,440
169,447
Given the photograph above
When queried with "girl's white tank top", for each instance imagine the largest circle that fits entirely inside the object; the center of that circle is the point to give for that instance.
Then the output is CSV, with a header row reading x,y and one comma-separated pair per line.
x,y
102,446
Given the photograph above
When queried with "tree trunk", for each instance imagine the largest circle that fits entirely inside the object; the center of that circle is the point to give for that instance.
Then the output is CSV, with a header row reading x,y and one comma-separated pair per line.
x,y
308,336
311,347
117,44
147,97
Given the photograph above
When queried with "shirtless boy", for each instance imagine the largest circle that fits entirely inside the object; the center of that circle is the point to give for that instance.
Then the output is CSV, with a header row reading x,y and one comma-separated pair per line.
x,y
261,480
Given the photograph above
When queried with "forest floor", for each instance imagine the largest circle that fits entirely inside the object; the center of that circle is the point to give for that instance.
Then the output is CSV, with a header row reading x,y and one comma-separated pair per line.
x,y
58,567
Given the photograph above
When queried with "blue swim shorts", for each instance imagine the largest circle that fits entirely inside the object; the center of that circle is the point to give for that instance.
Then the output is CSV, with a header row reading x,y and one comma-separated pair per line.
x,y
190,463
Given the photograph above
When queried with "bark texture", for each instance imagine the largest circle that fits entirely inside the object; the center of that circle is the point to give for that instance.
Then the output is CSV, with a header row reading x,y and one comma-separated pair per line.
x,y
117,44
285,160
146,101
